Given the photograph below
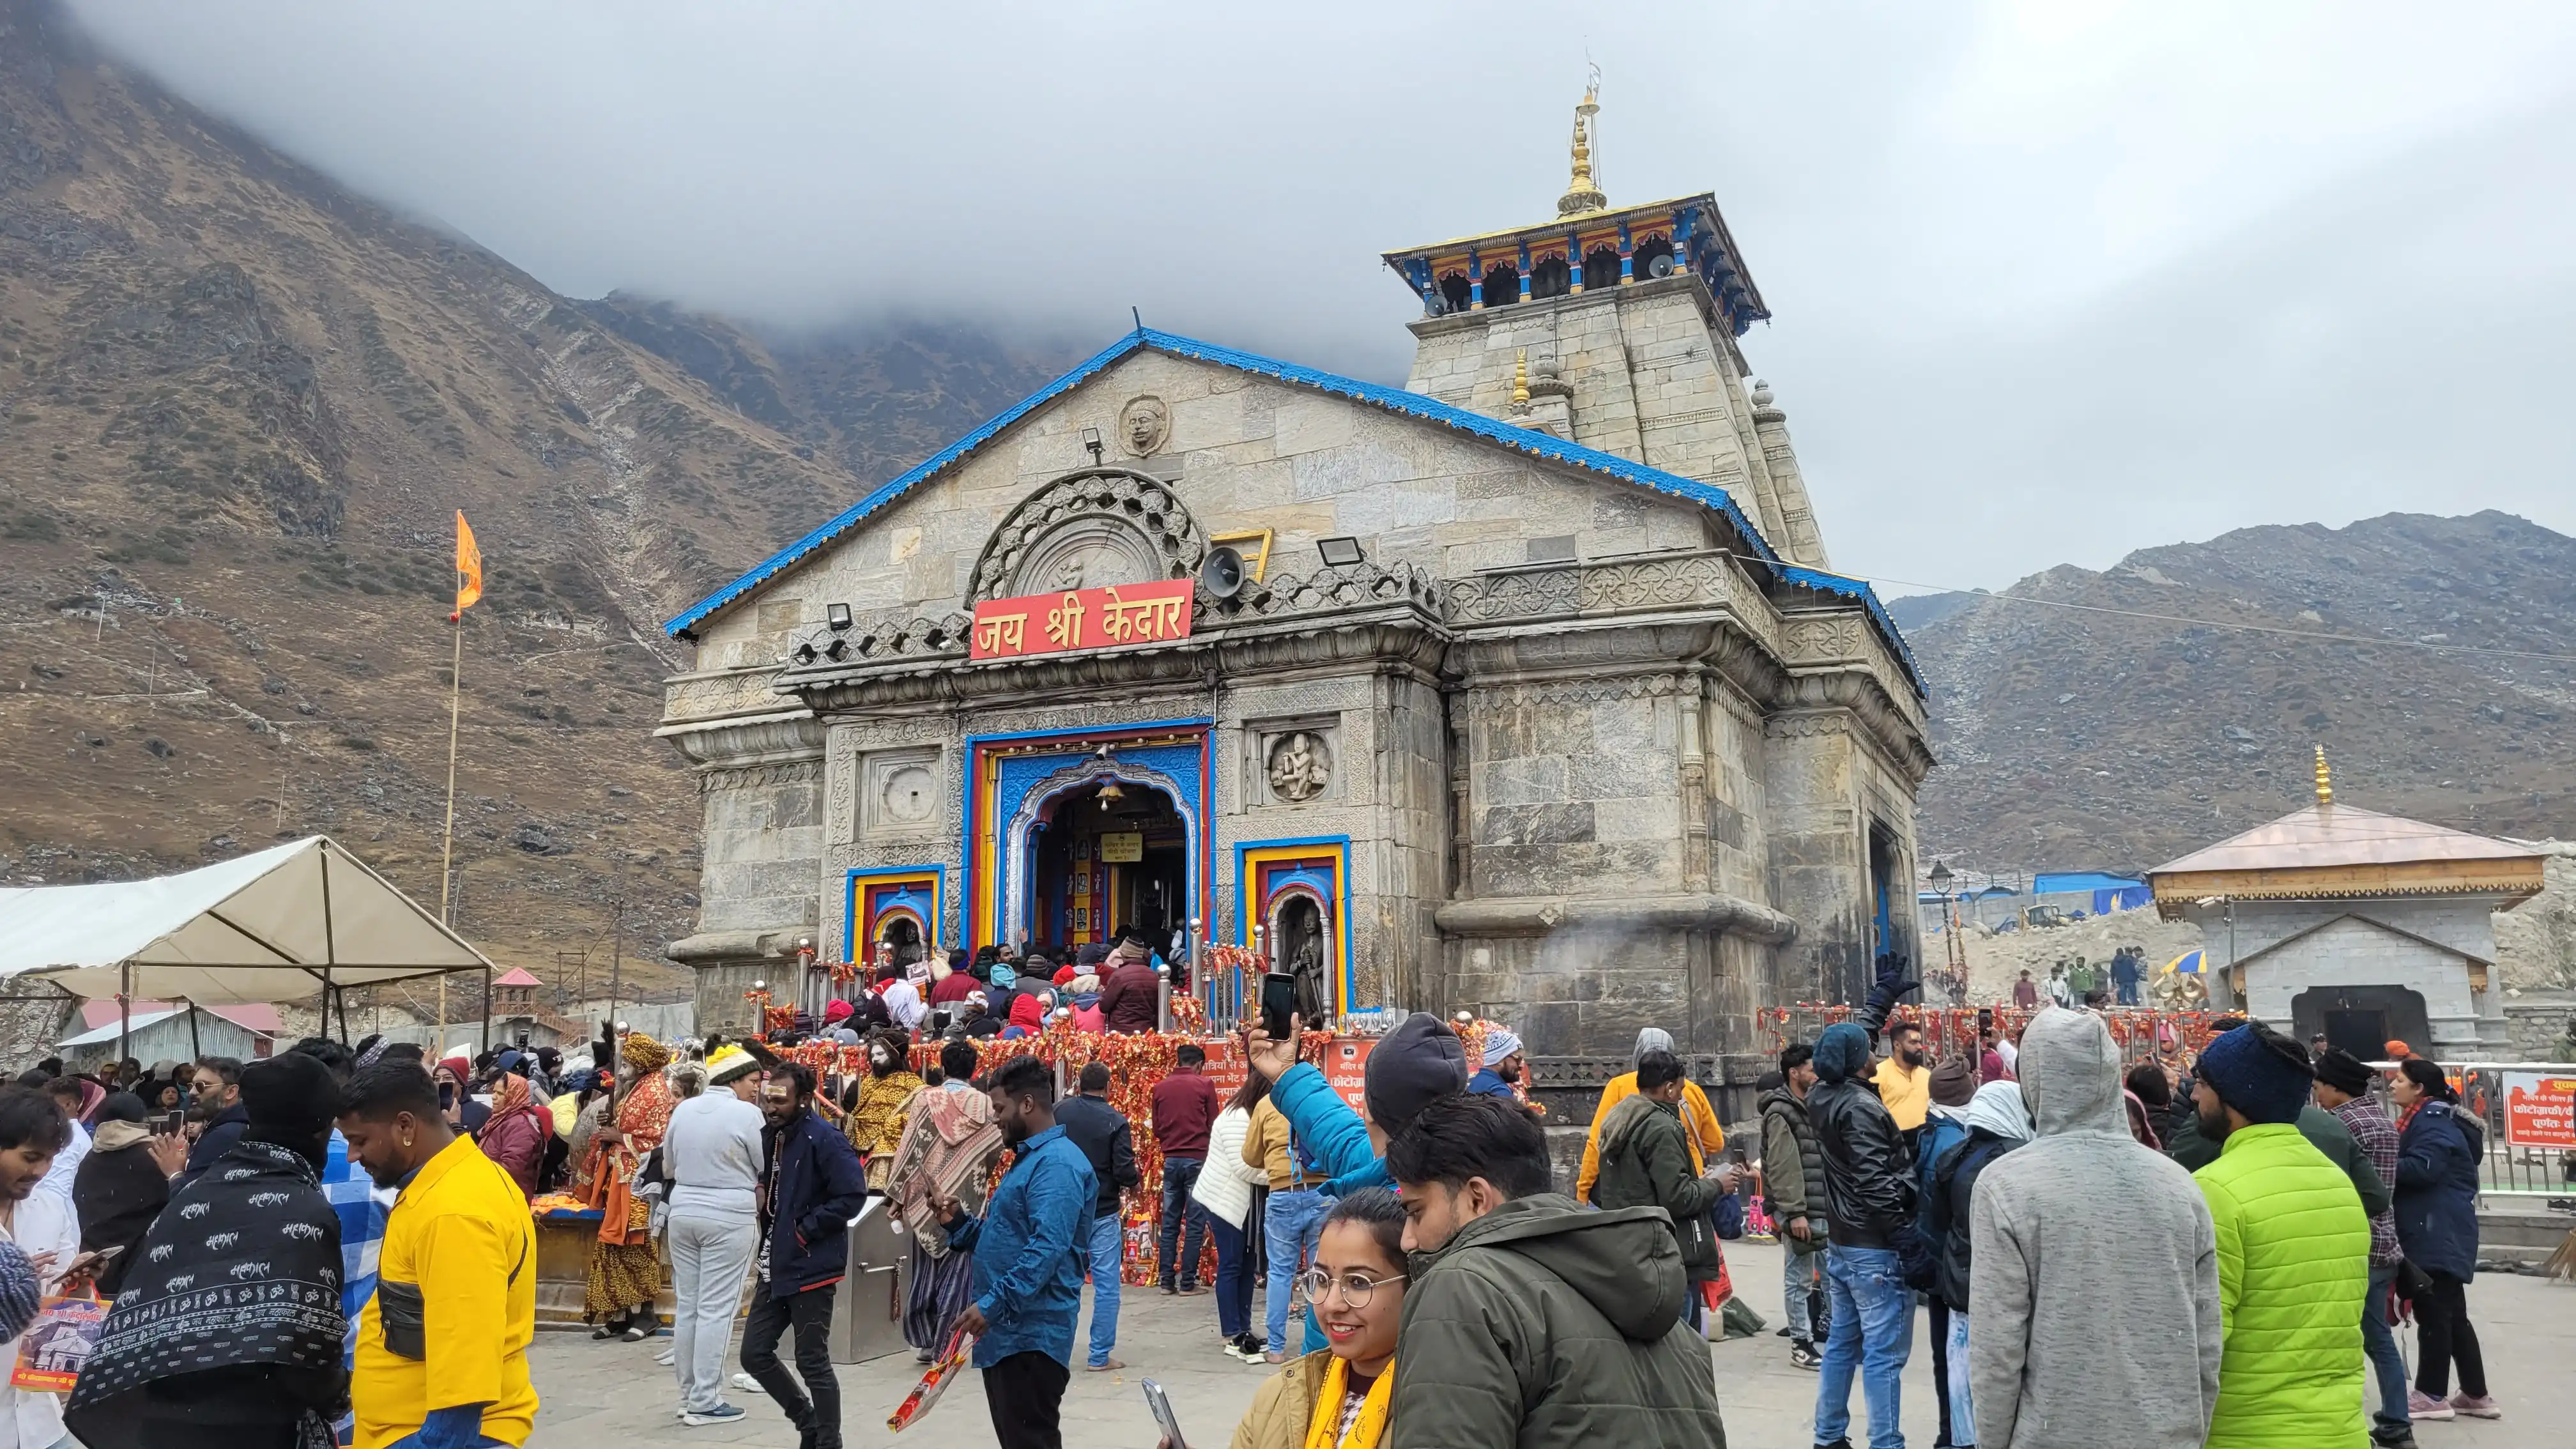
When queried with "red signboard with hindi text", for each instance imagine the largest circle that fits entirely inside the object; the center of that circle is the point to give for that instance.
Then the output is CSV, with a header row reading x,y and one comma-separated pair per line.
x,y
2540,1111
1081,619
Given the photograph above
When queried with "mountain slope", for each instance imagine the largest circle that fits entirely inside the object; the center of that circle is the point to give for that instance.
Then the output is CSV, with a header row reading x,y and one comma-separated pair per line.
x,y
238,407
2073,737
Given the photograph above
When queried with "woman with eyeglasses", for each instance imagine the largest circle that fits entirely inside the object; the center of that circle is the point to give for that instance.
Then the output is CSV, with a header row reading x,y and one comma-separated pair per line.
x,y
1337,1398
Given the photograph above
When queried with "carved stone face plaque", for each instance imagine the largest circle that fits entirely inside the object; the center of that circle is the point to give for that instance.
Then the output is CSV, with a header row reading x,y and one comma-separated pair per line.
x,y
1300,767
899,791
1144,425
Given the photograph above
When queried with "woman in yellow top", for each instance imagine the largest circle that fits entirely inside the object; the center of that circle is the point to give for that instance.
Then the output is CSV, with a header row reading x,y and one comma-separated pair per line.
x,y
1707,1139
1337,1397
443,1344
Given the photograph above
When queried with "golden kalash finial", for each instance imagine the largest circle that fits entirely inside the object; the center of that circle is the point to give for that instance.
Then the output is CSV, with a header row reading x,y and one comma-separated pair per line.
x,y
1582,194
2325,780
1520,377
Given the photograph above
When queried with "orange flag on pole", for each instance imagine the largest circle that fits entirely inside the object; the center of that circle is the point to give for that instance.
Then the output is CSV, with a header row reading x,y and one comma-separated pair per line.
x,y
469,568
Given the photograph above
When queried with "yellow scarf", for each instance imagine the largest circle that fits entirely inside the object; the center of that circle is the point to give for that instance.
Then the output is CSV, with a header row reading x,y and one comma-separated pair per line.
x,y
1321,1431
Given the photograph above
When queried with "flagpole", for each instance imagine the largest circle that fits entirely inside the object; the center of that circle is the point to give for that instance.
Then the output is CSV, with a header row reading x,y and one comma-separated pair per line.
x,y
447,837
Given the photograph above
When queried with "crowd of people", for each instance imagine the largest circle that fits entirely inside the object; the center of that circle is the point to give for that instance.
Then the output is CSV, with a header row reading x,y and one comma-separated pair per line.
x,y
335,1246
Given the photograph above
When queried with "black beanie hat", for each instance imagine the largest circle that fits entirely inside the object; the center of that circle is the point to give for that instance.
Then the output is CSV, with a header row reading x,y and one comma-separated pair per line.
x,y
2344,1072
294,1091
1410,1067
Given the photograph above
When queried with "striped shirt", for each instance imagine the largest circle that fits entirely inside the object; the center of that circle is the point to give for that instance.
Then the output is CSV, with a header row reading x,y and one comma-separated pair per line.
x,y
361,1206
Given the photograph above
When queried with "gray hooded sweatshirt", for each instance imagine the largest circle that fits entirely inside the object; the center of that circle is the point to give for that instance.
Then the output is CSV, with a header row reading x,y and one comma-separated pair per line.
x,y
2094,1275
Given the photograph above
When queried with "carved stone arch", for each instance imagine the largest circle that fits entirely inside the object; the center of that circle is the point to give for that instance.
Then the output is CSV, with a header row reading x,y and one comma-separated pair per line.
x,y
1088,529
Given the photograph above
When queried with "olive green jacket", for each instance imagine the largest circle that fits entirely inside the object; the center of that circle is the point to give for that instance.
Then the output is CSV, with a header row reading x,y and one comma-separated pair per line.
x,y
1545,1326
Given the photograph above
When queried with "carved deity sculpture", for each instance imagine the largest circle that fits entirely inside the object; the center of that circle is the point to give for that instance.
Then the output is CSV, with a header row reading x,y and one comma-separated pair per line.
x,y
1143,425
1299,767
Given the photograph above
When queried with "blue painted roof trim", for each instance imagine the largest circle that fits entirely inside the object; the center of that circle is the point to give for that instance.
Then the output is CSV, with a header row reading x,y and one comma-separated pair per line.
x,y
1398,400
1852,588
1414,404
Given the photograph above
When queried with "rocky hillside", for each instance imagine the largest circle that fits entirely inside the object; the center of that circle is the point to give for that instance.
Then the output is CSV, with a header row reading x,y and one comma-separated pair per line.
x,y
238,407
2087,737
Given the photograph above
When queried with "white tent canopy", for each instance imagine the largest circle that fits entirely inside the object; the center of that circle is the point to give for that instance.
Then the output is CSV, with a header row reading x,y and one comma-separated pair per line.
x,y
278,925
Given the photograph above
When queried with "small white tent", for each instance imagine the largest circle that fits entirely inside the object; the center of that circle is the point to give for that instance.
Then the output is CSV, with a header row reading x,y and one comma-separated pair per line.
x,y
278,925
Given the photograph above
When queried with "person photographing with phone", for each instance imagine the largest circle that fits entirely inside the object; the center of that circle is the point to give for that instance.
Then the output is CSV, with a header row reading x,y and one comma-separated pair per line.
x,y
41,1226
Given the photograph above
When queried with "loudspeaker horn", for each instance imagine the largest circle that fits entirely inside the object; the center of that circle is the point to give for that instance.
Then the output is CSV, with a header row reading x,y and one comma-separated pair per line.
x,y
1222,574
1661,266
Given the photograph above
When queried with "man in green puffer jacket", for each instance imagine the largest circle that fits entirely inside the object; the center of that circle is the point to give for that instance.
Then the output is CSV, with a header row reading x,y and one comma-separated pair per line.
x,y
2293,1254
1646,1162
1538,1324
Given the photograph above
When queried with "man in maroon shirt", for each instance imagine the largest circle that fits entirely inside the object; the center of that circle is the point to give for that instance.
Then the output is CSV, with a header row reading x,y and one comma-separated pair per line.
x,y
1130,992
1184,1104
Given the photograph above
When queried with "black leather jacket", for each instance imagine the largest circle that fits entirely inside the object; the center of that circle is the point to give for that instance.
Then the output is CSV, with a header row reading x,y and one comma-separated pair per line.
x,y
1869,1188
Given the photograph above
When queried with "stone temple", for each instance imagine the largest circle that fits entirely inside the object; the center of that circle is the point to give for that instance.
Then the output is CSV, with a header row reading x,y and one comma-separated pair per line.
x,y
1525,688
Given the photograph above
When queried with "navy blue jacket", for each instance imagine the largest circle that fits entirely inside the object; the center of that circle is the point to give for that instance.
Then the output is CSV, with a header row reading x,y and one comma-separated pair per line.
x,y
2437,1190
816,1183
220,1137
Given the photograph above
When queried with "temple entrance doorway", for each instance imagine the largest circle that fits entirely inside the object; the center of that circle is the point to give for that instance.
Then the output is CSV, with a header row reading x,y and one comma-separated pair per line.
x,y
1106,858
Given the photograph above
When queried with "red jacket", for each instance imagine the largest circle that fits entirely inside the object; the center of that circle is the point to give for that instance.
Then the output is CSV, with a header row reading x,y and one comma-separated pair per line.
x,y
954,987
516,1143
1128,998
1184,1104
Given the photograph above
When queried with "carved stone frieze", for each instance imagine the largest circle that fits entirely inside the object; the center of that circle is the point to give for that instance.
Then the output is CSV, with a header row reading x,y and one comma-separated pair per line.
x,y
1087,529
778,736
793,772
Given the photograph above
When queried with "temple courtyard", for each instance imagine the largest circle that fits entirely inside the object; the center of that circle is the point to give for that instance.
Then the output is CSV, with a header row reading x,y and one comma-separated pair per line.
x,y
614,1394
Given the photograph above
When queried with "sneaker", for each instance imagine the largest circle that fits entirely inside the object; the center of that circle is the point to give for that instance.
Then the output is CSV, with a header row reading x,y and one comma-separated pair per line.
x,y
1803,1355
2476,1408
2421,1405
667,1357
1784,1332
747,1383
720,1414
2385,1435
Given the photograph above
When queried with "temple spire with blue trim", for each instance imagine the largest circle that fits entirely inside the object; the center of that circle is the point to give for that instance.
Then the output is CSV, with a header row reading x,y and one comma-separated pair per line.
x,y
1613,307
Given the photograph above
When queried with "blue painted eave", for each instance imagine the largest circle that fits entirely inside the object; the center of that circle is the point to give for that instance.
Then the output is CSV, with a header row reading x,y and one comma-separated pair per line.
x,y
1411,404
1852,588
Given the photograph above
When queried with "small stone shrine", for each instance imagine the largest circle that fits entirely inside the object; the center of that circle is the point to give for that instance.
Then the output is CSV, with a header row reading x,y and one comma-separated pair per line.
x,y
1523,689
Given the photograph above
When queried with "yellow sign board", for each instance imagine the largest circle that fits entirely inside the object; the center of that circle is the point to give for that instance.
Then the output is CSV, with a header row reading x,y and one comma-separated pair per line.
x,y
1123,847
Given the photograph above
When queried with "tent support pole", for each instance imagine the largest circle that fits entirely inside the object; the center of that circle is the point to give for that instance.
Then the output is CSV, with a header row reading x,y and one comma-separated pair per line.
x,y
195,1050
124,1010
487,1008
340,1001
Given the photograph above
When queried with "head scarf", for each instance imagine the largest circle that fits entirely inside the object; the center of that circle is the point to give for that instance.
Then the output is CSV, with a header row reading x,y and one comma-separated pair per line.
x,y
642,1052
1028,1011
1652,1039
1998,1108
91,1095
509,1094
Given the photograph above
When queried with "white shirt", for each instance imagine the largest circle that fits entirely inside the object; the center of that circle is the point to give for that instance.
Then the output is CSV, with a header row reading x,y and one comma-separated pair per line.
x,y
58,1178
903,1003
712,1152
43,1223
2010,1053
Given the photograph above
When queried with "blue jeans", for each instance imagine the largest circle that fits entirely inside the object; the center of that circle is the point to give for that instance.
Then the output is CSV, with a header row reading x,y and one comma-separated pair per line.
x,y
2379,1345
1872,1312
1180,1174
1108,1250
1234,1279
1294,1221
1800,1275
1963,1411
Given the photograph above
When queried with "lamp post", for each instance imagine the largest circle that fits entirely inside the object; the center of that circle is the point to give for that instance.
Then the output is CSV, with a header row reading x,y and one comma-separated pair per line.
x,y
1954,950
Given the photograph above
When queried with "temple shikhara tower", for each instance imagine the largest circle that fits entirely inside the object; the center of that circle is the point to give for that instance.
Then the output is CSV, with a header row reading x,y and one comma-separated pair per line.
x,y
1523,688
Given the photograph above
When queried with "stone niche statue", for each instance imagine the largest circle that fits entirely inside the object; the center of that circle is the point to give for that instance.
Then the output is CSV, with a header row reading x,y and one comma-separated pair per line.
x,y
1300,767
1144,424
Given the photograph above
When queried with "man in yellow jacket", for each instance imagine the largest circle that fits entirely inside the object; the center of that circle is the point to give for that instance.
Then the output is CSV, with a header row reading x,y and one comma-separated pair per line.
x,y
443,1346
2293,1254
1706,1138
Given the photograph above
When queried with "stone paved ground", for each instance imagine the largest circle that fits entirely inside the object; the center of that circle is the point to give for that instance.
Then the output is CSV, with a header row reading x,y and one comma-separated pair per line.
x,y
613,1396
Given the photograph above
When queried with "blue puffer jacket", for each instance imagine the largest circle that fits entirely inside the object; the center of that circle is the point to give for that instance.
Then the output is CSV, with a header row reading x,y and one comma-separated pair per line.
x,y
2437,1189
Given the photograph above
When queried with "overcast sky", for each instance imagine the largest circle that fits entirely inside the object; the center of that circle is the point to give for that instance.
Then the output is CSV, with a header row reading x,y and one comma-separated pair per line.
x,y
2051,281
